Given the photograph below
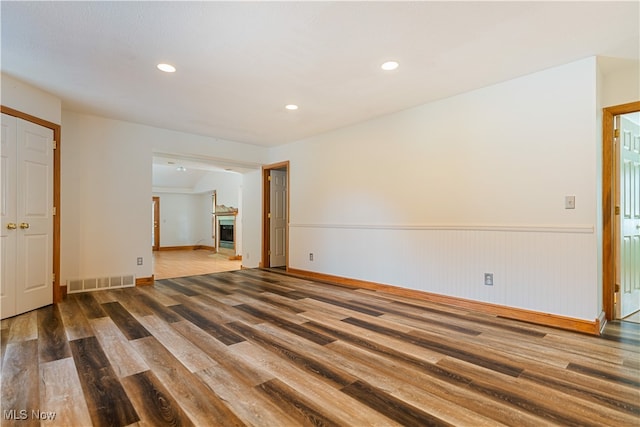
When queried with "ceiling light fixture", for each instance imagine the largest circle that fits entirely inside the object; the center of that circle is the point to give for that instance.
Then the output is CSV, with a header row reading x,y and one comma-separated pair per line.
x,y
181,169
389,65
167,68
291,107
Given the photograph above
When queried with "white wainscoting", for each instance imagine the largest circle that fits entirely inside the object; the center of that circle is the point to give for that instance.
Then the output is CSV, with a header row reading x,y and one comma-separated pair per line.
x,y
549,268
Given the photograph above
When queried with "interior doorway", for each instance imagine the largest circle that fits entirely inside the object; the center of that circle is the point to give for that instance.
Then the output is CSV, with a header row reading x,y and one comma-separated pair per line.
x,y
275,215
621,213
627,145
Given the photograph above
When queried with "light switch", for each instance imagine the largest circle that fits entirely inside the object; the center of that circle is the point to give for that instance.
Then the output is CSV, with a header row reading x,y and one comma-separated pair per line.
x,y
569,202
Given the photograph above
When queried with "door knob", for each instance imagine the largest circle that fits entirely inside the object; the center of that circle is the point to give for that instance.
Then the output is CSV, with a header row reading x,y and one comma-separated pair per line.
x,y
11,226
24,225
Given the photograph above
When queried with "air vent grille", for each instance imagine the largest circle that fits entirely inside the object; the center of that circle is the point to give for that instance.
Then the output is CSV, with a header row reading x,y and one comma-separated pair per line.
x,y
100,283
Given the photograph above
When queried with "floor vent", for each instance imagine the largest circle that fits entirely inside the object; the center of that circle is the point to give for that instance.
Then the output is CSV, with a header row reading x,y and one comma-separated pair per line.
x,y
97,284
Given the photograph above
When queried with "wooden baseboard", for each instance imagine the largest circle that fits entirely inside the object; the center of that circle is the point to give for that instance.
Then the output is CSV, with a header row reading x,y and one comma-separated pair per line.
x,y
235,258
177,248
186,248
145,281
546,319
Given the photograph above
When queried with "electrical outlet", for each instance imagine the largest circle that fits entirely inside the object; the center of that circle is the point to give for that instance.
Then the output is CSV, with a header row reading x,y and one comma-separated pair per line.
x,y
310,256
488,279
139,260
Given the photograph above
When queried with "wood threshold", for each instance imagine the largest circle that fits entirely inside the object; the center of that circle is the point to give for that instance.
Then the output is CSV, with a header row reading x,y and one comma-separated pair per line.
x,y
145,281
568,323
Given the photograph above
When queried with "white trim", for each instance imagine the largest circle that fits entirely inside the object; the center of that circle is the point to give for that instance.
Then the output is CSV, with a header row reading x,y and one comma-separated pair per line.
x,y
582,229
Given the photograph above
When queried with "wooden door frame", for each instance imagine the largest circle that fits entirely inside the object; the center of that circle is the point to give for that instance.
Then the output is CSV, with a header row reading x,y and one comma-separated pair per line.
x,y
265,261
156,229
59,292
608,205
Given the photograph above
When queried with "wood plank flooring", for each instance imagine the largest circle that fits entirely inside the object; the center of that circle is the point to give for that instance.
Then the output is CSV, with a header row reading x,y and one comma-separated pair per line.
x,y
635,317
263,348
181,263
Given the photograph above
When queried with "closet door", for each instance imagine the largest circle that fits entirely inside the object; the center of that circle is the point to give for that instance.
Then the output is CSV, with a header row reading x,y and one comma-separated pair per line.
x,y
27,216
9,213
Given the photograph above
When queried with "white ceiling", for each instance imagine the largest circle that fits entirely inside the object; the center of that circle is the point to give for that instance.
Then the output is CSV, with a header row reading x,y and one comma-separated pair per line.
x,y
239,63
166,174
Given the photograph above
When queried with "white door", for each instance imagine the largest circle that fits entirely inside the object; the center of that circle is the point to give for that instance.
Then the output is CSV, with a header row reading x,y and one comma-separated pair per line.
x,y
27,221
9,227
278,223
629,218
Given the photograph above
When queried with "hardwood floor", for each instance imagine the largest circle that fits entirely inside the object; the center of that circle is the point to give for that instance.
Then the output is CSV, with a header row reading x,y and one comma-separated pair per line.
x,y
262,348
635,317
181,263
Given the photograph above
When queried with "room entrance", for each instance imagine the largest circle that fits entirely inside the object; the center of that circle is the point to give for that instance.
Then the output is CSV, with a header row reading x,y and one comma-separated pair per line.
x,y
621,212
275,215
627,146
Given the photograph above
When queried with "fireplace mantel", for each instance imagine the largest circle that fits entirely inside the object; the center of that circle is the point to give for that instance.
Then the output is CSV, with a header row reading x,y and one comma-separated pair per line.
x,y
222,210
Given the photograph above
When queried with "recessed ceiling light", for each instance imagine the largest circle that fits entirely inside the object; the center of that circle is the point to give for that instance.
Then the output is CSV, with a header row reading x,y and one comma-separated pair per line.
x,y
167,68
389,65
181,169
291,107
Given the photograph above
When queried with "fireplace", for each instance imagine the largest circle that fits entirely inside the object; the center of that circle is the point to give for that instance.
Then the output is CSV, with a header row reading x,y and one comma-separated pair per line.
x,y
226,233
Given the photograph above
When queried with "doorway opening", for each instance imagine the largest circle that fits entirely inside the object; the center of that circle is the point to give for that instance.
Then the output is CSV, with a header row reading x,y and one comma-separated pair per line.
x,y
621,213
275,215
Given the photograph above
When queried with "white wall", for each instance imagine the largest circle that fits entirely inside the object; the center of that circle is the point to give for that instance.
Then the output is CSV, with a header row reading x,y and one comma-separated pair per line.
x,y
30,100
107,190
227,186
429,198
185,219
105,197
433,197
185,216
621,83
251,219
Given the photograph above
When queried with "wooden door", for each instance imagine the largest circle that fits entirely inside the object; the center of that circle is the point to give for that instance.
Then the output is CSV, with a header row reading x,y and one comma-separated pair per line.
x,y
28,204
278,223
629,218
